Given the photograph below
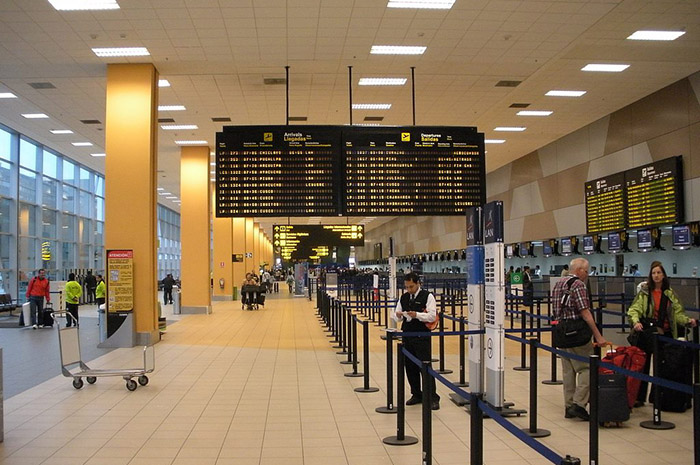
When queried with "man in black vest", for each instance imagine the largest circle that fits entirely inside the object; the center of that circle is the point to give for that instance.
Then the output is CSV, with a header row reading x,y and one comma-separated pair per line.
x,y
415,308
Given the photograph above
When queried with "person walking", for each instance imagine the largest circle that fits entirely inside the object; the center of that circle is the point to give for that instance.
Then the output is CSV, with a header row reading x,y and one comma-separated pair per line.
x,y
168,283
73,292
90,285
100,291
37,291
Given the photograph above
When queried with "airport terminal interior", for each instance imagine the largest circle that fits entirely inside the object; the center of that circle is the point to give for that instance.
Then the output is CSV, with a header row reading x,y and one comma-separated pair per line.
x,y
177,145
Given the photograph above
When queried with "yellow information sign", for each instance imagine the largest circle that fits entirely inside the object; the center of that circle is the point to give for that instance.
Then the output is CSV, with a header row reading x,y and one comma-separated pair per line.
x,y
120,281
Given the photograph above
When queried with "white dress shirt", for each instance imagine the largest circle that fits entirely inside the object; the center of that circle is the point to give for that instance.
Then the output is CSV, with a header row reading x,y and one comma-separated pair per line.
x,y
428,316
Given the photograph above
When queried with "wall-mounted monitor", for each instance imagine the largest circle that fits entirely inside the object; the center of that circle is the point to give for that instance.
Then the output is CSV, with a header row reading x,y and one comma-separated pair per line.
x,y
524,249
682,237
509,250
614,242
588,245
565,246
644,240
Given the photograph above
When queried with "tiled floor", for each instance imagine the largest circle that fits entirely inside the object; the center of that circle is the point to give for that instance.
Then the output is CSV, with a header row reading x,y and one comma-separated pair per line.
x,y
265,388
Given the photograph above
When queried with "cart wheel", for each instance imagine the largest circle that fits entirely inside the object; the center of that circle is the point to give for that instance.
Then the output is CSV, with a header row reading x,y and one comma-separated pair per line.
x,y
131,385
77,383
143,380
91,379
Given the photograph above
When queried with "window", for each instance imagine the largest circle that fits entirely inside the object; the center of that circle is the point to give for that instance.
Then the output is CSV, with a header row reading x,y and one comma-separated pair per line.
x,y
27,185
68,255
27,154
49,220
49,249
68,226
5,250
49,192
99,233
27,220
5,176
28,253
68,199
84,230
85,204
99,208
50,167
68,172
84,179
5,214
5,144
99,186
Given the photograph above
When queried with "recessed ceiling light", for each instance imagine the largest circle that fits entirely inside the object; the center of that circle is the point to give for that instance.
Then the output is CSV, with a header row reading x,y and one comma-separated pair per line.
x,y
534,113
82,144
605,68
34,115
98,154
212,163
67,5
510,128
191,142
175,127
565,93
212,172
121,51
371,106
161,189
656,35
171,107
61,131
7,95
397,50
165,193
422,4
171,197
163,83
382,81
494,141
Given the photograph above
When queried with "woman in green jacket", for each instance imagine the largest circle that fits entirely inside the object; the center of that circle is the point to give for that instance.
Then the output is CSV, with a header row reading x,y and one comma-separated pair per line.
x,y
656,304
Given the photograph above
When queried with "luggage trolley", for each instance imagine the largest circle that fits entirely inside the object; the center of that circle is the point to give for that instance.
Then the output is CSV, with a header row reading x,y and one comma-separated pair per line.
x,y
252,297
69,345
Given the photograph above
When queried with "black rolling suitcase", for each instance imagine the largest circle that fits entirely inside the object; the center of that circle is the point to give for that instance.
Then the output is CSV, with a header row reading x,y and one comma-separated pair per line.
x,y
612,399
676,365
48,318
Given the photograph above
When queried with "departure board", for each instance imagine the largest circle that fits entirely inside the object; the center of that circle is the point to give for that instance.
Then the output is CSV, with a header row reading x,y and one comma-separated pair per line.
x,y
605,204
413,170
293,241
278,171
654,193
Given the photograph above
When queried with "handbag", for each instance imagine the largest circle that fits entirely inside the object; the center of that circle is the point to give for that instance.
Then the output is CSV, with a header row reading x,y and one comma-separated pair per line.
x,y
571,333
644,339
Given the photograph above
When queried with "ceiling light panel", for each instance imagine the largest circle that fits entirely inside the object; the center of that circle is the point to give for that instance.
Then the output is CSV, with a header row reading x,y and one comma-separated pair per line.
x,y
176,127
163,83
510,128
61,131
371,106
7,95
191,142
397,50
534,113
71,5
565,93
494,141
34,115
98,154
382,81
82,144
109,52
656,35
605,68
171,108
422,4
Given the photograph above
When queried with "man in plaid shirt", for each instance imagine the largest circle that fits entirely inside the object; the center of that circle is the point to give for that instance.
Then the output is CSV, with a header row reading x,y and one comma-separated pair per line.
x,y
577,307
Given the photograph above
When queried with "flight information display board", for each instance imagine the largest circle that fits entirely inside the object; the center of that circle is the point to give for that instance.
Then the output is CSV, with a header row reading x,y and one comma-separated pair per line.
x,y
413,170
292,241
278,171
654,193
605,204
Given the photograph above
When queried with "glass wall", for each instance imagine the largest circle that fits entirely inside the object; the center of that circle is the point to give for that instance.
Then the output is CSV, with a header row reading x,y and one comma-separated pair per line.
x,y
52,216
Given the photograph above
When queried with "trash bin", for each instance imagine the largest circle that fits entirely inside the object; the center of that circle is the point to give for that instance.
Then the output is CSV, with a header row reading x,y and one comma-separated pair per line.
x,y
235,293
176,300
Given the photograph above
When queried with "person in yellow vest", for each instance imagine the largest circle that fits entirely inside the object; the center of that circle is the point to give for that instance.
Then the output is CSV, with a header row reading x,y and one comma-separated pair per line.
x,y
73,292
100,291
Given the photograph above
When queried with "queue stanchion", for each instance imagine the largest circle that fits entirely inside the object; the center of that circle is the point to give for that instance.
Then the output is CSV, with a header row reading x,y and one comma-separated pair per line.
x,y
476,431
342,329
462,357
400,439
354,373
523,355
365,360
348,324
533,431
338,340
696,355
623,313
427,411
696,421
594,363
656,422
389,407
554,380
441,345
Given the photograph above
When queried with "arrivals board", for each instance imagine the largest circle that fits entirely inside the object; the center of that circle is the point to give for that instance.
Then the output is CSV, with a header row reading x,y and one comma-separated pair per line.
x,y
277,171
292,241
412,170
654,193
605,204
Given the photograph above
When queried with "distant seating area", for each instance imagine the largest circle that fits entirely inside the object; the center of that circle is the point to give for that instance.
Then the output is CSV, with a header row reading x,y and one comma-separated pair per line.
x,y
8,304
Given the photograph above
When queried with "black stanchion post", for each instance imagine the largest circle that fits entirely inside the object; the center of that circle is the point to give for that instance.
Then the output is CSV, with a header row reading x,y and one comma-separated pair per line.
x,y
554,379
389,408
696,421
349,328
462,356
476,433
342,326
338,339
365,356
523,356
656,422
594,362
427,413
696,355
441,347
354,373
400,439
533,431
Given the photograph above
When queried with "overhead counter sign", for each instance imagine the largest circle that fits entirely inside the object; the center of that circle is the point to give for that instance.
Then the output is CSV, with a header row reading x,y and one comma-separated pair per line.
x,y
314,240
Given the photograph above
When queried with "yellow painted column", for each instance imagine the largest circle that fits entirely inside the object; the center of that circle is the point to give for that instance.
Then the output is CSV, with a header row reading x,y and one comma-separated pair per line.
x,y
249,247
131,141
195,213
256,247
223,261
238,247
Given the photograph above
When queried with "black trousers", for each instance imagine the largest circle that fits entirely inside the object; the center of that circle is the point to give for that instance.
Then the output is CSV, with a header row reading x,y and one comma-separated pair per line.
x,y
644,386
167,295
421,348
73,310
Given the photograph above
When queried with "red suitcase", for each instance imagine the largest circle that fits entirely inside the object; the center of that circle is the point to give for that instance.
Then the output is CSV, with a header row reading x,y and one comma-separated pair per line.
x,y
630,358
